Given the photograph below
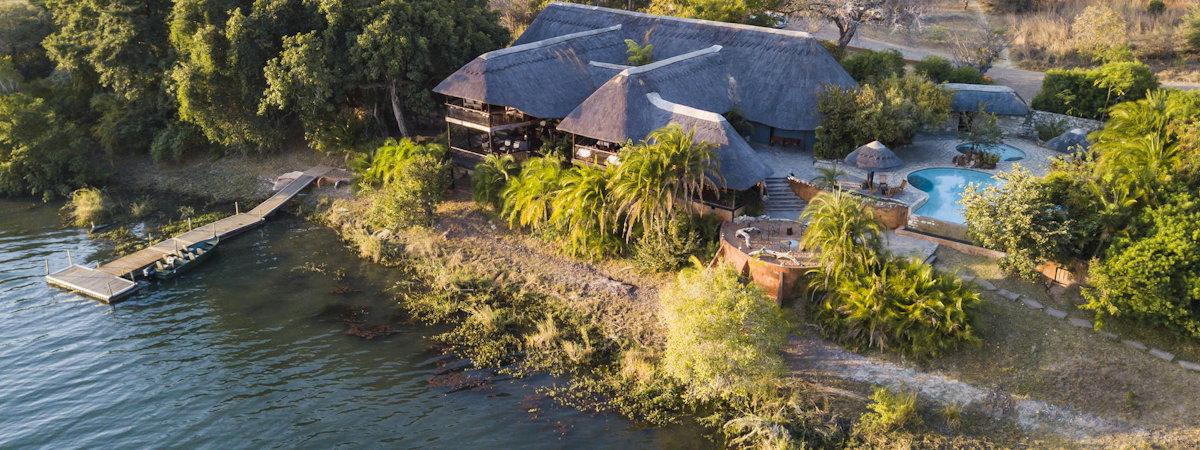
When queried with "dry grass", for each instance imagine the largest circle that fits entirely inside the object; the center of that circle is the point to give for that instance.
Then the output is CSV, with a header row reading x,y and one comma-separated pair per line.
x,y
1043,38
1027,352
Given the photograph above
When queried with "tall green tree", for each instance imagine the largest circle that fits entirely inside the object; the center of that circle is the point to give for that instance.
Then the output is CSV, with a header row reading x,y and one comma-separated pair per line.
x,y
223,47
123,41
371,65
23,25
40,154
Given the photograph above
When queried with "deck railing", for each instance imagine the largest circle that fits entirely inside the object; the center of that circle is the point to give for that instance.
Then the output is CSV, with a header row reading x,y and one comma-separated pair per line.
x,y
491,118
594,155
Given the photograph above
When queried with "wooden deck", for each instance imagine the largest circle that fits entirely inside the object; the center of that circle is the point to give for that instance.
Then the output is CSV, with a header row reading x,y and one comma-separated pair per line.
x,y
113,280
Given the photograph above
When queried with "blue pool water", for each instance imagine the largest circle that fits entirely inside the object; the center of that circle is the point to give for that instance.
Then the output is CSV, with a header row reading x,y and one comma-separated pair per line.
x,y
945,188
1006,152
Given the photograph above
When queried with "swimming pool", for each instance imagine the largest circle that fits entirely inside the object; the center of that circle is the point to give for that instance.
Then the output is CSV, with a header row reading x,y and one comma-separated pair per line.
x,y
945,186
1006,152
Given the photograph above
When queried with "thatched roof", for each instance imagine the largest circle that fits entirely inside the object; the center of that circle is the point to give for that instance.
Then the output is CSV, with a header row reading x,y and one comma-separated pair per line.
x,y
642,99
774,76
998,100
569,64
874,156
1071,141
545,79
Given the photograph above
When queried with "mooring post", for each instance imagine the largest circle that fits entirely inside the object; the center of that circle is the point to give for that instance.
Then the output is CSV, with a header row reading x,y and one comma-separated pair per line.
x,y
69,261
47,266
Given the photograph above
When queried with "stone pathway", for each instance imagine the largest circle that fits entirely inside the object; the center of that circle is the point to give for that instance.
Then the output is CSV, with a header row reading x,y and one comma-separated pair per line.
x,y
815,357
1077,322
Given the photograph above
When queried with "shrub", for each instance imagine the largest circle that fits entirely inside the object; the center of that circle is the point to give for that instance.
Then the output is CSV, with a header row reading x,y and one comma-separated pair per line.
x,y
942,70
1019,216
1156,7
88,207
1100,32
581,213
490,178
843,232
672,247
1050,130
902,305
125,126
638,55
984,130
723,337
411,197
889,411
1191,30
176,140
1154,275
1089,93
891,110
837,134
529,195
869,65
656,179
389,163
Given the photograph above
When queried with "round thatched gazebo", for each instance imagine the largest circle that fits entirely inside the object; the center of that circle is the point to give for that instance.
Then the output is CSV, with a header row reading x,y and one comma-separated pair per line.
x,y
874,157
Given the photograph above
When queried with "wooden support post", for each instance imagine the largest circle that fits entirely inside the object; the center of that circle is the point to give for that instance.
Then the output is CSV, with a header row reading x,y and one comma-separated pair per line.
x,y
70,262
236,208
47,266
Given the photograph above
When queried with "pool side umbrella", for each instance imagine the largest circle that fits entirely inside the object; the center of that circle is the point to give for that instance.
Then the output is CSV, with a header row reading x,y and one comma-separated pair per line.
x,y
872,157
1070,142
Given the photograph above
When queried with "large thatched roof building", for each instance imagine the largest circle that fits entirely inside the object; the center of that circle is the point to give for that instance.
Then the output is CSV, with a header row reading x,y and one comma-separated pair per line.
x,y
567,72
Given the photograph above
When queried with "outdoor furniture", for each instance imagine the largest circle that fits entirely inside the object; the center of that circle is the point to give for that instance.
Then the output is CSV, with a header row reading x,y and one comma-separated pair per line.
x,y
872,157
892,192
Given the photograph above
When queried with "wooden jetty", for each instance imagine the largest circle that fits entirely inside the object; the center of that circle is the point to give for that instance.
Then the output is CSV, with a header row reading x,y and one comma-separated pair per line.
x,y
115,280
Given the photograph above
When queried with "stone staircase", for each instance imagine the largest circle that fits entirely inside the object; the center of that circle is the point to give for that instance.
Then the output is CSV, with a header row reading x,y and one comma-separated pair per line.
x,y
780,201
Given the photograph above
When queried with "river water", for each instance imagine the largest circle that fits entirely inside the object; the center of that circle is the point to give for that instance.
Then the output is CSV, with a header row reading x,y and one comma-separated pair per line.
x,y
248,351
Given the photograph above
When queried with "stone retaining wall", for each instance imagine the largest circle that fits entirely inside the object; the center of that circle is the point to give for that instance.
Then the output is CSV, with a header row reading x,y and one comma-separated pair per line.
x,y
892,215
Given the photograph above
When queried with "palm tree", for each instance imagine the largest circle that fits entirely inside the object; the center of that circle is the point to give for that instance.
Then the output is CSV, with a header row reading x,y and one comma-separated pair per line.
x,y
829,178
528,196
844,232
657,178
491,176
384,165
580,211
1139,147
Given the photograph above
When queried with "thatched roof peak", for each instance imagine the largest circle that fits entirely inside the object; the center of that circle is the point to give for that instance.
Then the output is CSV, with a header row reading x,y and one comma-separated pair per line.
x,y
683,110
635,70
546,42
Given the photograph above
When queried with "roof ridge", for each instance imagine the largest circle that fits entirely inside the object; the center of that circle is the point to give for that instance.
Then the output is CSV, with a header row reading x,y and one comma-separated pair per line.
x,y
637,70
739,26
684,110
546,42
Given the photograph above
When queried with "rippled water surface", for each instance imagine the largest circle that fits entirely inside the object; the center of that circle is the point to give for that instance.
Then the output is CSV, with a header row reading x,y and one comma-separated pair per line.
x,y
244,352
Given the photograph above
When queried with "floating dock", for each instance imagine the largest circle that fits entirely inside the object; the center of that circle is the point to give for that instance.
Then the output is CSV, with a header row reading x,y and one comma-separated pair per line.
x,y
115,280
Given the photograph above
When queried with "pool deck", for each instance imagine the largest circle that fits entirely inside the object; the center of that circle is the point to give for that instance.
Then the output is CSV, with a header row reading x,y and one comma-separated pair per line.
x,y
928,150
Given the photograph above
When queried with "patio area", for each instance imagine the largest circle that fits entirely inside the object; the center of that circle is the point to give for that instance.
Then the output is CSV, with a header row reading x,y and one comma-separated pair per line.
x,y
926,151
